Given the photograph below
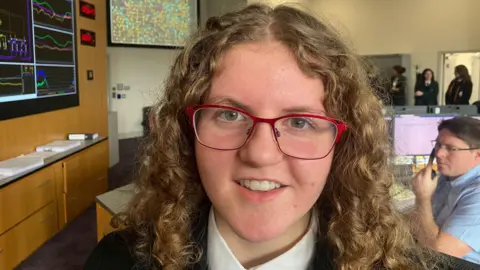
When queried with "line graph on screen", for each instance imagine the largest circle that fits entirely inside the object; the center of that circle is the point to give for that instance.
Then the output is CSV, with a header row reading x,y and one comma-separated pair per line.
x,y
53,80
54,13
16,79
53,47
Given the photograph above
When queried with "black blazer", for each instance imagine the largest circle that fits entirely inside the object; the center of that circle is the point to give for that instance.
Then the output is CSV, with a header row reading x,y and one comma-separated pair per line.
x,y
398,97
430,93
459,92
113,252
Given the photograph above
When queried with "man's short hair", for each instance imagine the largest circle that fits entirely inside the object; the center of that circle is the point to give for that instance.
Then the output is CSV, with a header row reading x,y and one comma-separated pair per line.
x,y
465,128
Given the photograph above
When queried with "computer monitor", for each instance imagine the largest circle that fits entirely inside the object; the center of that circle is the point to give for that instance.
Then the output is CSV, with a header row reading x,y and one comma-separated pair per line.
x,y
454,109
413,134
410,109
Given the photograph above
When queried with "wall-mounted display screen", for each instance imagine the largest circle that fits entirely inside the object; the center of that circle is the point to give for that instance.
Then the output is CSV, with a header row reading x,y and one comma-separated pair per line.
x,y
37,57
152,23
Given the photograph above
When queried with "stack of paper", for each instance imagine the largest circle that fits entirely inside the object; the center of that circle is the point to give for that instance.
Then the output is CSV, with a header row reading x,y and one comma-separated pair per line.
x,y
18,165
59,146
40,155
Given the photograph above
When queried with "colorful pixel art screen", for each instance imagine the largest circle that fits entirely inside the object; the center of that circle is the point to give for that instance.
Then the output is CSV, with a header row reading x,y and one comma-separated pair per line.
x,y
37,55
166,23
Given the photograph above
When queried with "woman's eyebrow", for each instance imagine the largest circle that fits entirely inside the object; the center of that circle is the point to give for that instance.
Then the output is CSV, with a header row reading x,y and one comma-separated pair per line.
x,y
228,101
303,109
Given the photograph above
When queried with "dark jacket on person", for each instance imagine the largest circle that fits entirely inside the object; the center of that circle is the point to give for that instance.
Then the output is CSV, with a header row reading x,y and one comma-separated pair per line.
x,y
459,92
114,251
430,93
398,97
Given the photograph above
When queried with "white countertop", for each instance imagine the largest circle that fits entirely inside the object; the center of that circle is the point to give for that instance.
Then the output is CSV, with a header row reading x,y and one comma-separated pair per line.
x,y
116,200
4,181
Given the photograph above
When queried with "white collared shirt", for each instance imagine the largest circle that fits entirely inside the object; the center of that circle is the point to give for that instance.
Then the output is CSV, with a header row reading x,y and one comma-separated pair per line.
x,y
220,257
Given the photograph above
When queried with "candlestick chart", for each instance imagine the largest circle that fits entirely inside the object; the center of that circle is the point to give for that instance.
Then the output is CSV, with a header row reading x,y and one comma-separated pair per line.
x,y
15,32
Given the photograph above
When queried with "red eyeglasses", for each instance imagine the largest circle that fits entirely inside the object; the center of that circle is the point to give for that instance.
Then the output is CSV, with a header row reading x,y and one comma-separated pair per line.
x,y
303,136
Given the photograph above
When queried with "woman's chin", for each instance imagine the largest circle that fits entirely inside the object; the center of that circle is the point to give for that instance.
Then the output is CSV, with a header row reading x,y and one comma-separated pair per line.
x,y
258,234
258,231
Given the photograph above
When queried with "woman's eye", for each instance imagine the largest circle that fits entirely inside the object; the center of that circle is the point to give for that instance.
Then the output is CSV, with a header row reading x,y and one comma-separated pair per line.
x,y
231,116
299,123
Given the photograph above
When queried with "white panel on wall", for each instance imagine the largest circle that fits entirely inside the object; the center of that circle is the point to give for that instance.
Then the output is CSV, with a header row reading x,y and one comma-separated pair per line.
x,y
143,71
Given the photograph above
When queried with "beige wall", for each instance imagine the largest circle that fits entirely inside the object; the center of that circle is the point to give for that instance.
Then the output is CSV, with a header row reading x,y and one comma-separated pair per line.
x,y
209,8
422,28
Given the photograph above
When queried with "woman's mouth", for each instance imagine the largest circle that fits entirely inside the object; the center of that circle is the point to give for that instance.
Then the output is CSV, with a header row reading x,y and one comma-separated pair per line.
x,y
262,185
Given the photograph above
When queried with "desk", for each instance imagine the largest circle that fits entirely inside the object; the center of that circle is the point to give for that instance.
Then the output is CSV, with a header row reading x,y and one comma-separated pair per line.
x,y
110,204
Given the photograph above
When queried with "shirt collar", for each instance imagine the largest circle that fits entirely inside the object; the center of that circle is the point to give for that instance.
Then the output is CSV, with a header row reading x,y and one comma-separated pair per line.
x,y
466,179
219,255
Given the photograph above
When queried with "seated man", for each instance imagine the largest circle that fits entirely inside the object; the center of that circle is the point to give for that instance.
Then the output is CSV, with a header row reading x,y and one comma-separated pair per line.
x,y
447,209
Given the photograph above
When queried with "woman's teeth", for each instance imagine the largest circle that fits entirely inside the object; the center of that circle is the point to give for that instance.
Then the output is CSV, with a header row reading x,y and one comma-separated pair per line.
x,y
259,185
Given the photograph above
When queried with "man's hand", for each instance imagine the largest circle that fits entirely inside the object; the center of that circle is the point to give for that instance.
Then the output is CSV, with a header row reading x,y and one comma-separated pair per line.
x,y
418,93
423,185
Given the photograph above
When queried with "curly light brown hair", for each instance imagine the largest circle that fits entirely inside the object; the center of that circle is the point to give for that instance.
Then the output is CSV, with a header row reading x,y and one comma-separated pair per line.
x,y
361,227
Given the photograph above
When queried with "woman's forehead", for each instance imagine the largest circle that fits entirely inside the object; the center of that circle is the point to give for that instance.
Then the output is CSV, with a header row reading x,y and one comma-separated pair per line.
x,y
265,75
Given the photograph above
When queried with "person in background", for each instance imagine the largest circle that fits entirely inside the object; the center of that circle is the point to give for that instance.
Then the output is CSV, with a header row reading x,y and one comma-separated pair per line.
x,y
447,209
426,90
398,86
460,89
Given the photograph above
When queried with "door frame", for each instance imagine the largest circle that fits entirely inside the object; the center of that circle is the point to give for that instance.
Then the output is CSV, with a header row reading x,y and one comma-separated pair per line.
x,y
441,76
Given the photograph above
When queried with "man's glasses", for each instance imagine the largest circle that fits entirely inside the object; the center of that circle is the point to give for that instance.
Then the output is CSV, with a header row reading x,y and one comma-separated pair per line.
x,y
450,148
303,136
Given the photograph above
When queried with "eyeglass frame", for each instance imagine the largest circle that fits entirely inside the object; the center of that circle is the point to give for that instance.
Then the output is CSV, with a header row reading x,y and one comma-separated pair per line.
x,y
340,126
453,148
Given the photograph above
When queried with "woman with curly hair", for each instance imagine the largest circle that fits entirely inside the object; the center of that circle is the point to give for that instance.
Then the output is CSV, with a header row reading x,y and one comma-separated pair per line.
x,y
269,152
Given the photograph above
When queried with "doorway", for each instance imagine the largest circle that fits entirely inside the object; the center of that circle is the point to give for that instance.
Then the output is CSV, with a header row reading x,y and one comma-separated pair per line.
x,y
385,63
469,59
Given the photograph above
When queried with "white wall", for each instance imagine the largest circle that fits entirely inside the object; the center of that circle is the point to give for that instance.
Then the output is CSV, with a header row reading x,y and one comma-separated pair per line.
x,y
422,28
144,70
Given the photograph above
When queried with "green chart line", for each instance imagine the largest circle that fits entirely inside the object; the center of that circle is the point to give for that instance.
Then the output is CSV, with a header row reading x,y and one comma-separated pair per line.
x,y
52,39
44,3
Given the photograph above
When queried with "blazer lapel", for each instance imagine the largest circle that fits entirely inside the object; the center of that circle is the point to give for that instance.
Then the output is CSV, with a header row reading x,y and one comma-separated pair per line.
x,y
323,259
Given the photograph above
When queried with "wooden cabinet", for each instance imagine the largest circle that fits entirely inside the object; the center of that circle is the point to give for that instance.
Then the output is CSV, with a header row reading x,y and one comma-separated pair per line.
x,y
36,207
103,222
22,198
22,240
85,176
